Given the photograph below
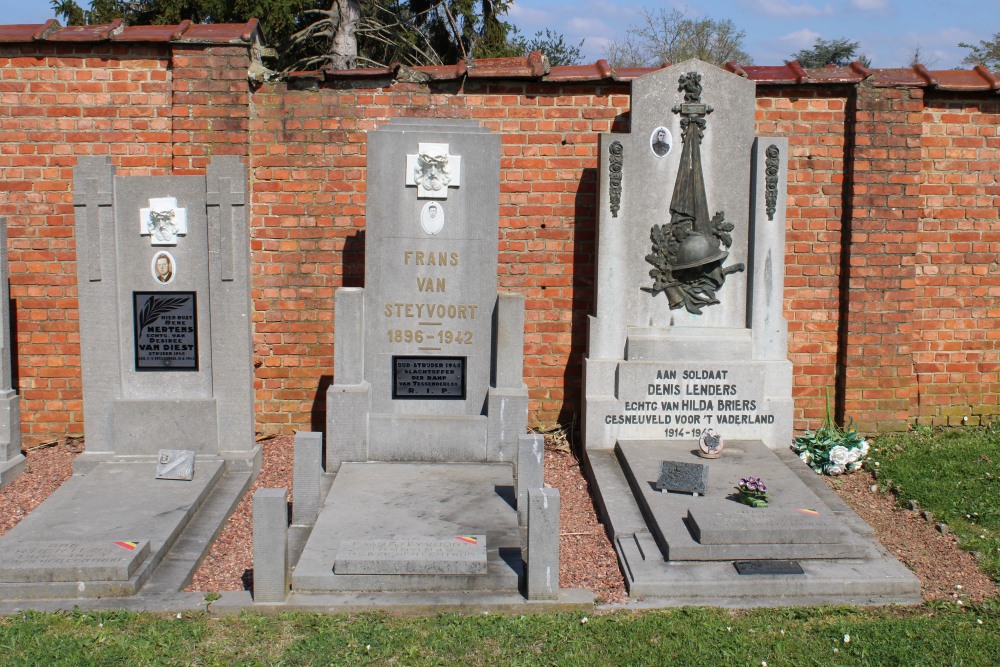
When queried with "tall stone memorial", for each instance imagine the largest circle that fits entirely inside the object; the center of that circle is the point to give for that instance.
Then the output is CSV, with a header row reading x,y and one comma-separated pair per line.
x,y
428,407
163,280
687,380
12,461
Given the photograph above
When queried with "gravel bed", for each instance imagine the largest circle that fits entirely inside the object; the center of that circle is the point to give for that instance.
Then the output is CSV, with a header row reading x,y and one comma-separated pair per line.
x,y
587,557
945,570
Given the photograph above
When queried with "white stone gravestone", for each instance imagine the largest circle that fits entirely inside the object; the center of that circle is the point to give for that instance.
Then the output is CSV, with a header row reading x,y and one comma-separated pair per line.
x,y
164,302
428,406
12,461
689,336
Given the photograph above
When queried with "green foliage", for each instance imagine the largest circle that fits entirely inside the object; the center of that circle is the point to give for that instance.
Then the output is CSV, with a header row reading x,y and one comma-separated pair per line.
x,y
928,635
553,45
955,474
672,37
411,32
830,449
830,52
277,17
987,53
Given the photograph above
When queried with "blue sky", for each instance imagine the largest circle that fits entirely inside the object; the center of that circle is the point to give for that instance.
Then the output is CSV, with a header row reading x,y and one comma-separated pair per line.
x,y
888,30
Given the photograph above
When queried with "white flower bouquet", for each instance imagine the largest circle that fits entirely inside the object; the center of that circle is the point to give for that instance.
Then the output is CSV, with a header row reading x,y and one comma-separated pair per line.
x,y
832,450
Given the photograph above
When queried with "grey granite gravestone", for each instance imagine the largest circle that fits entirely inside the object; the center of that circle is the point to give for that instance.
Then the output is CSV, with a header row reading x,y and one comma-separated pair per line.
x,y
427,346
428,402
164,302
688,336
12,461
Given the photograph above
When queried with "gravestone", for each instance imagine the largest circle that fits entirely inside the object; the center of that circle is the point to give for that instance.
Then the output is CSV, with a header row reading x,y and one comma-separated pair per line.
x,y
12,461
163,280
688,349
428,407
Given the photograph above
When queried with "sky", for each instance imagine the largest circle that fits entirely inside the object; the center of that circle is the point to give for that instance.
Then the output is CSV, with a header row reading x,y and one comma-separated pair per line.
x,y
889,31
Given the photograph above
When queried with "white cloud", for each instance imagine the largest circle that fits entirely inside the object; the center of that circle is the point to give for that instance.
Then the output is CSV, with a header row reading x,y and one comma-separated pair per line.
x,y
800,39
785,8
871,5
521,14
580,25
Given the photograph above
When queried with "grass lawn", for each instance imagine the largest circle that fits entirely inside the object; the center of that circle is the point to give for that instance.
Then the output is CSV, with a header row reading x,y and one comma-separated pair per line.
x,y
928,635
954,473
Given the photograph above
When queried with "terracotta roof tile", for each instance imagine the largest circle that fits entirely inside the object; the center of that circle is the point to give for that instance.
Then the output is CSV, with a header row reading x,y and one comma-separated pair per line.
x,y
532,66
208,33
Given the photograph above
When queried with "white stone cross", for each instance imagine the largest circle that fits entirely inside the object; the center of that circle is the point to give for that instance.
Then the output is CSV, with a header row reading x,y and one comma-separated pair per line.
x,y
433,171
163,222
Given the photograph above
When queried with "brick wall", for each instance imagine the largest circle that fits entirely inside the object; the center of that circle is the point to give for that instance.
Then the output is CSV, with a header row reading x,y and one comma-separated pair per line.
x,y
891,277
956,302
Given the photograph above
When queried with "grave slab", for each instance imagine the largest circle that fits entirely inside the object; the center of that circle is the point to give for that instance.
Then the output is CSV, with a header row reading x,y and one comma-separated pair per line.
x,y
667,514
457,554
84,560
767,525
369,501
87,509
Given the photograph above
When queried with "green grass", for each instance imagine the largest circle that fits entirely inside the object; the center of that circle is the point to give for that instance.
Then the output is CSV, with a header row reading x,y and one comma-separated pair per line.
x,y
928,635
954,473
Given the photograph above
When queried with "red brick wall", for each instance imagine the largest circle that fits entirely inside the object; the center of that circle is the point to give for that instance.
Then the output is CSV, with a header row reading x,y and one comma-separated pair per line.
x,y
815,123
308,165
956,347
891,276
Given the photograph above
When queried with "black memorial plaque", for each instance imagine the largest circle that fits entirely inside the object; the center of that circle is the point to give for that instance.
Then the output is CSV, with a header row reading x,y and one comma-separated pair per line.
x,y
768,567
428,378
166,331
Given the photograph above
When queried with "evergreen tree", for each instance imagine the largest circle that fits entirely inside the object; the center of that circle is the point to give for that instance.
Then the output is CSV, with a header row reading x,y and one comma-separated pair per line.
x,y
830,52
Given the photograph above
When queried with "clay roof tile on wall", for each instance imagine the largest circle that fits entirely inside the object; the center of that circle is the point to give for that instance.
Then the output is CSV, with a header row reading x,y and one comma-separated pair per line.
x,y
209,33
533,66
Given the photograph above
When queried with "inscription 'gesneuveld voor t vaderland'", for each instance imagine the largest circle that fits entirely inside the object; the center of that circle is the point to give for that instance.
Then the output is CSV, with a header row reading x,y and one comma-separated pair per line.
x,y
686,402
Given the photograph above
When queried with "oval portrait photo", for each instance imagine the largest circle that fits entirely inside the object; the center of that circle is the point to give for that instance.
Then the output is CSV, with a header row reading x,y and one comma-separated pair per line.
x,y
432,217
163,267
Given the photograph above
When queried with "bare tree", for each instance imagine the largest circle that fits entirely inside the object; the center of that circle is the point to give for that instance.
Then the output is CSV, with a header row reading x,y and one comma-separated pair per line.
x,y
672,37
338,27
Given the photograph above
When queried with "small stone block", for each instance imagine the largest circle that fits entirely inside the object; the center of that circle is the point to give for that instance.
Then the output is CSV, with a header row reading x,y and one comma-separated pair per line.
x,y
175,464
307,473
768,567
270,545
457,554
761,526
543,544
87,560
683,477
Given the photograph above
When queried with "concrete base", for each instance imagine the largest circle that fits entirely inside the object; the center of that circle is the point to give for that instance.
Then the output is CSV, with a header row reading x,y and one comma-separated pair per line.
x,y
11,468
373,501
88,509
661,558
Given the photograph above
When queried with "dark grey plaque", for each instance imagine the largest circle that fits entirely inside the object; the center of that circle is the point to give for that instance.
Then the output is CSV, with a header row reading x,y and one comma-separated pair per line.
x,y
428,378
166,331
682,477
768,567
